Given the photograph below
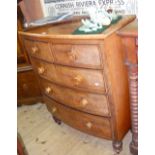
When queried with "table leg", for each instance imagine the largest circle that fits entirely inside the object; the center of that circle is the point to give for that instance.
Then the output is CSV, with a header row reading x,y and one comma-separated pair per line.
x,y
133,80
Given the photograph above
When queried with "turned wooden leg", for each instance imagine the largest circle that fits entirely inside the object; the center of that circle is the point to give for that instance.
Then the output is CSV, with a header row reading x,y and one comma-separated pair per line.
x,y
117,146
134,146
133,77
58,121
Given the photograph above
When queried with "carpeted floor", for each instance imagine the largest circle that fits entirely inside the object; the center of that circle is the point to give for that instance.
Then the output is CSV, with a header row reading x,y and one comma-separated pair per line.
x,y
42,136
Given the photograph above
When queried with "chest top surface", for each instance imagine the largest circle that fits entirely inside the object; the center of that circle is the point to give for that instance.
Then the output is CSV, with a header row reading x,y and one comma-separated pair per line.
x,y
65,30
130,30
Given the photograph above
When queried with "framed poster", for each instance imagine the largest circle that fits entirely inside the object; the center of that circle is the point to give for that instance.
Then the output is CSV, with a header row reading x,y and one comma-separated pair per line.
x,y
79,7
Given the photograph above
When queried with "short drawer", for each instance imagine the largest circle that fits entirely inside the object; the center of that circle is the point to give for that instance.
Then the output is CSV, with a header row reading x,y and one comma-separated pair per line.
x,y
77,55
91,124
87,102
39,50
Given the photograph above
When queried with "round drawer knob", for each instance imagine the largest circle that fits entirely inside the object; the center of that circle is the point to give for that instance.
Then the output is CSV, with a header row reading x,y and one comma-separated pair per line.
x,y
25,86
48,90
84,102
89,125
41,70
96,84
34,49
72,55
78,79
44,33
54,109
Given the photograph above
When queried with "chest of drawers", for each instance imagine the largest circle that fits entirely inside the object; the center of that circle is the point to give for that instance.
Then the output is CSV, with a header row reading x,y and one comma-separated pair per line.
x,y
82,77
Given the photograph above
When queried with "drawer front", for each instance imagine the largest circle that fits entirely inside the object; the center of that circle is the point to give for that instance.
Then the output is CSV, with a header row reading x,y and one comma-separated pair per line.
x,y
39,50
77,55
94,125
73,77
87,79
88,102
44,70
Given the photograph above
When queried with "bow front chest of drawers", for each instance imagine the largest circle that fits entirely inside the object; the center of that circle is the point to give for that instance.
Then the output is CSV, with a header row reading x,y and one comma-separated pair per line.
x,y
82,77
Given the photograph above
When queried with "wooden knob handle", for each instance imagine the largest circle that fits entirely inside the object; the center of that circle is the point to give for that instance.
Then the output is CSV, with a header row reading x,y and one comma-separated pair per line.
x,y
78,79
84,102
54,109
43,33
89,125
41,70
34,49
96,84
72,55
48,90
25,86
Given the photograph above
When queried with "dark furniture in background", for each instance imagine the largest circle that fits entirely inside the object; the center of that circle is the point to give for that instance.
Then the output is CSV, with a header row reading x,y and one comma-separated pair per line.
x,y
129,36
28,91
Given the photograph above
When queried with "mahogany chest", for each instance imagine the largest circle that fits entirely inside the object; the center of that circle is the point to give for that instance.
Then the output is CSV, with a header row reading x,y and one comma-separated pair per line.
x,y
82,77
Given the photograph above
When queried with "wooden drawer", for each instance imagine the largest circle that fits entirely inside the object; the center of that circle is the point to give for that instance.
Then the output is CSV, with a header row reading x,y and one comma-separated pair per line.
x,y
88,102
91,124
77,55
39,50
73,77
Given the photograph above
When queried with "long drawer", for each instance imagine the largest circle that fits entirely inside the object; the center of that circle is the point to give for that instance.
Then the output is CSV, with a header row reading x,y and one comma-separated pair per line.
x,y
74,77
94,125
87,102
77,55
